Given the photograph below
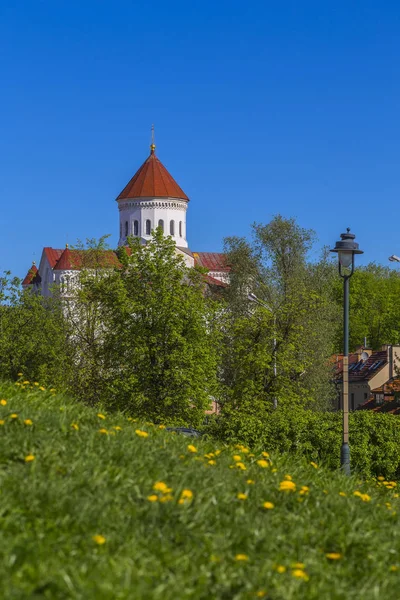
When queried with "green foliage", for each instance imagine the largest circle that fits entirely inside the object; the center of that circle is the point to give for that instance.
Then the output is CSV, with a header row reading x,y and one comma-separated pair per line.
x,y
316,435
83,483
32,335
152,343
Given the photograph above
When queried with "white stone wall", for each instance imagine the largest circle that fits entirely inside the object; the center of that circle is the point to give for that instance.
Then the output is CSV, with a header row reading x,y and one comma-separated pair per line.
x,y
154,210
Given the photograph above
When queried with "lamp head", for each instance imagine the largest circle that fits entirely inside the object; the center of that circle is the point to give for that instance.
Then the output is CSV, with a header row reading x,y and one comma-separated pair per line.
x,y
346,248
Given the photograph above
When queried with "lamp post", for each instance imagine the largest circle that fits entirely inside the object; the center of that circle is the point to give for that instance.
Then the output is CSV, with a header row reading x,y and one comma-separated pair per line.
x,y
346,248
253,298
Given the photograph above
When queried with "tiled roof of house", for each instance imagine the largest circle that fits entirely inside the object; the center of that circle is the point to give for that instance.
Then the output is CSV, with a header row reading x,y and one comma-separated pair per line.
x,y
213,261
71,260
31,275
213,281
152,180
362,370
53,254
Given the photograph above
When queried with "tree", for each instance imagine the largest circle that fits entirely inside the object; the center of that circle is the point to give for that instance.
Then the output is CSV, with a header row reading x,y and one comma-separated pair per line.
x,y
158,350
294,309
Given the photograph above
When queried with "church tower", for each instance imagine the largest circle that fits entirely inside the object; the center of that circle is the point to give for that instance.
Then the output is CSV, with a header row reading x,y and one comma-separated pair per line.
x,y
152,198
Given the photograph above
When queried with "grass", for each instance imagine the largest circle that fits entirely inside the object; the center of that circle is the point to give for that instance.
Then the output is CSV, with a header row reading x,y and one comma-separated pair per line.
x,y
79,520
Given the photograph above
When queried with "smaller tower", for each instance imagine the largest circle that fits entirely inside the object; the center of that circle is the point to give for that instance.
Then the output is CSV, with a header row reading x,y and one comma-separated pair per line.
x,y
152,198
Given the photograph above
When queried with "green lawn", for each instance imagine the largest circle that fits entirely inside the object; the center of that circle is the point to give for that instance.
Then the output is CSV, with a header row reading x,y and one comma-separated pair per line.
x,y
82,519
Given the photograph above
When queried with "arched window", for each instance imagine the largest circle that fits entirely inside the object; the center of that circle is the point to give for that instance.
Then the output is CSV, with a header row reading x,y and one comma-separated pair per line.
x,y
172,227
161,224
135,227
126,228
180,228
148,226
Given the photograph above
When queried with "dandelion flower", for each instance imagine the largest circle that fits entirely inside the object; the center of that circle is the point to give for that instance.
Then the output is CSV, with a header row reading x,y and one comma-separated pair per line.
x,y
152,498
333,555
288,477
25,382
3,402
237,458
19,374
268,505
29,458
2,421
117,428
161,427
212,462
380,478
300,574
313,464
186,494
239,465
99,539
342,494
280,569
393,568
36,383
141,433
43,389
241,496
166,498
28,422
265,454
241,557
263,463
160,486
250,481
287,486
101,416
14,416
261,593
103,430
75,426
218,452
298,565
192,448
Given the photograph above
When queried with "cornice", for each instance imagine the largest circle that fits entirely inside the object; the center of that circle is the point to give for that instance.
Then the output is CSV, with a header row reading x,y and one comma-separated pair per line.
x,y
147,203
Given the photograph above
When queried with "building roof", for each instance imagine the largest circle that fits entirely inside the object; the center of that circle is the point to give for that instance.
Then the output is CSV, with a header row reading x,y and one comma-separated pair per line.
x,y
31,275
71,260
362,370
212,261
152,180
52,254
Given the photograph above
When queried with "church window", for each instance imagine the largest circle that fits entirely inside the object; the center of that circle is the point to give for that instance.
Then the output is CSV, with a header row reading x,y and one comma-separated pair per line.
x,y
161,224
172,227
148,226
126,228
180,228
135,227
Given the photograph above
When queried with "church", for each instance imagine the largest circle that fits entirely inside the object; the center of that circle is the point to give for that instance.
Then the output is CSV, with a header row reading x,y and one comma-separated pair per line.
x,y
152,198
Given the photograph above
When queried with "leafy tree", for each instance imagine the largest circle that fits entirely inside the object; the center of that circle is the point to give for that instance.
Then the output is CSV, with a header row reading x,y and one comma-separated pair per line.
x,y
158,351
292,322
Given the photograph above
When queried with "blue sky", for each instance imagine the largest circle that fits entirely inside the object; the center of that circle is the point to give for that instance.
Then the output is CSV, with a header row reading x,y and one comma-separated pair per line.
x,y
259,108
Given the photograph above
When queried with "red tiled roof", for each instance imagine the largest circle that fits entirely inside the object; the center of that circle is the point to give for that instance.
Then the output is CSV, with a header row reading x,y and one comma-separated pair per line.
x,y
53,254
363,370
31,274
212,281
71,260
152,180
213,261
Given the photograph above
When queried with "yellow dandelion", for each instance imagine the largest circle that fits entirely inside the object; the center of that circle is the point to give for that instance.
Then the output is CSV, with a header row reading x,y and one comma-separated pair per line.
x,y
261,593
300,574
218,452
287,486
166,498
245,450
268,505
263,463
250,481
36,383
333,555
251,455
161,427
28,422
313,464
2,421
117,428
3,402
75,426
380,478
241,496
342,494
43,389
99,539
393,568
186,495
101,416
280,569
212,462
274,470
160,486
102,430
237,458
241,557
265,454
20,374
29,458
25,382
192,448
298,565
52,390
141,433
152,498
14,416
288,477
239,465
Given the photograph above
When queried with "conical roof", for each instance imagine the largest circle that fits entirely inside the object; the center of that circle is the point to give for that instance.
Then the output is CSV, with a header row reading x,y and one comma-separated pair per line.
x,y
152,180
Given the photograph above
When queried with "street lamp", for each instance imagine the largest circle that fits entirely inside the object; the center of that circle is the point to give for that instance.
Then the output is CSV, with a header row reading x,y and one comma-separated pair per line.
x,y
346,249
253,298
394,258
